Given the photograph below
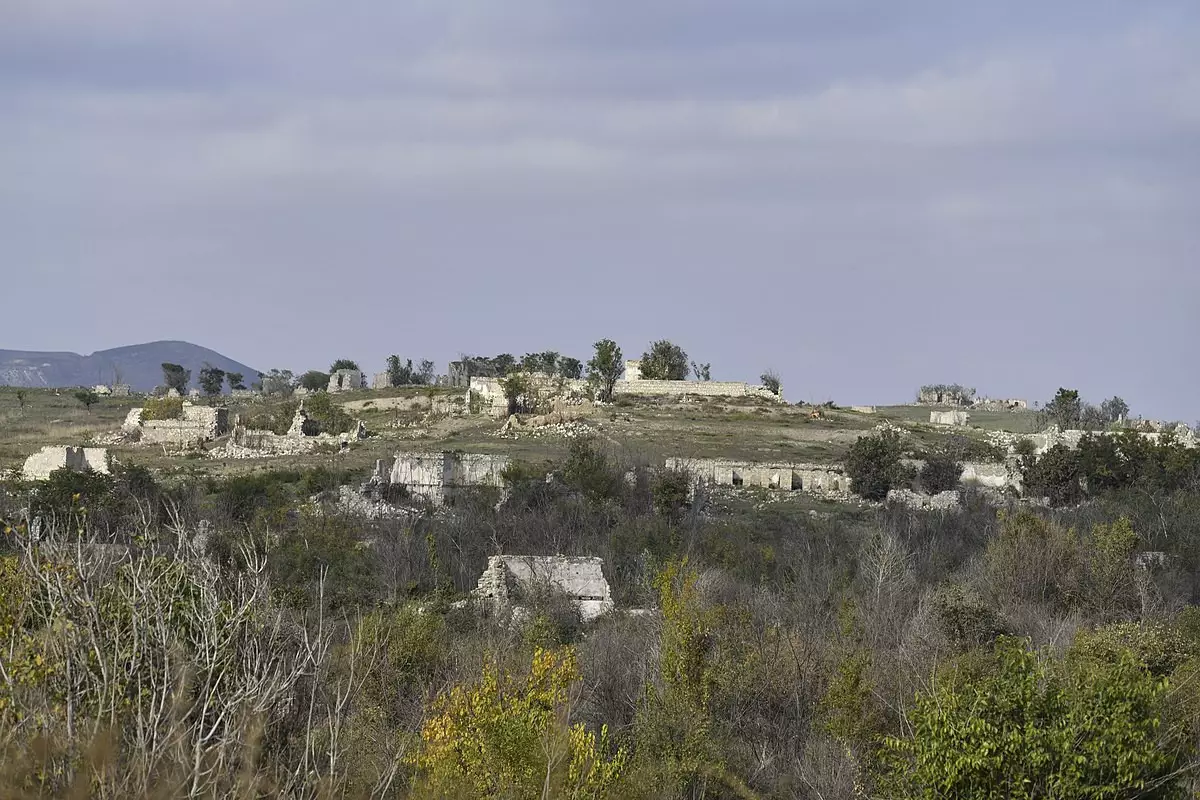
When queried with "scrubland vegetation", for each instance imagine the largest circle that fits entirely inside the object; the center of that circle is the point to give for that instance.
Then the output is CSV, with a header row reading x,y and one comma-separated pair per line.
x,y
224,637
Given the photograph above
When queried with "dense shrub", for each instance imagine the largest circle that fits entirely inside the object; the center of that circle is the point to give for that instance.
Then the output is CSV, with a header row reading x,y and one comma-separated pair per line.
x,y
874,465
163,408
940,473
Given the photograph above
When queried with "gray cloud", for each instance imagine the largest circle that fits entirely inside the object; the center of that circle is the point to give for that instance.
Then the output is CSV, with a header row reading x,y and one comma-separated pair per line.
x,y
865,196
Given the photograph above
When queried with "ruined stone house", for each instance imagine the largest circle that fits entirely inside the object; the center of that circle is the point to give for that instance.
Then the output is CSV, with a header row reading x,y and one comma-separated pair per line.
x,y
439,476
346,380
581,578
53,457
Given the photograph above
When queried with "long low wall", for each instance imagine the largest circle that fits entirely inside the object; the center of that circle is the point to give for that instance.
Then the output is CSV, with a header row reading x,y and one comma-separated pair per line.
x,y
701,388
788,477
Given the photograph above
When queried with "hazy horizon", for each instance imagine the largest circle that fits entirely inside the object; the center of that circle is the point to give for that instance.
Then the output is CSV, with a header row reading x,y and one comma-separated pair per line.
x,y
864,196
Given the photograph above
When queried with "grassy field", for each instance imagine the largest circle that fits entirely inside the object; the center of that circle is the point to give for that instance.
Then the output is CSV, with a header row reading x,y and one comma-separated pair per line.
x,y
642,429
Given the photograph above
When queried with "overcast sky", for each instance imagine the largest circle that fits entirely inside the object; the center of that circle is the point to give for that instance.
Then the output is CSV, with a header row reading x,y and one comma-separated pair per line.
x,y
865,196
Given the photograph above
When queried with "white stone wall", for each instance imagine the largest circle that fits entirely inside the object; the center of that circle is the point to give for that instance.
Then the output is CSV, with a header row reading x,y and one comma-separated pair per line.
x,y
702,388
346,380
436,476
579,577
79,459
949,417
788,477
199,424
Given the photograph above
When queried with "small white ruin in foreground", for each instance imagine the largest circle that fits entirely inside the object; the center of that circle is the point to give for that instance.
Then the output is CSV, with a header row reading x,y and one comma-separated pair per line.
x,y
579,577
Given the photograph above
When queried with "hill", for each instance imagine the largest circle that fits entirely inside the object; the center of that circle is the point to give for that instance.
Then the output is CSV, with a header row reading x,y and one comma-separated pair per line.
x,y
139,365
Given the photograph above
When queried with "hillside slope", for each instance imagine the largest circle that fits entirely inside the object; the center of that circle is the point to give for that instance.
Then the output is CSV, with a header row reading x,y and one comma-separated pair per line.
x,y
139,365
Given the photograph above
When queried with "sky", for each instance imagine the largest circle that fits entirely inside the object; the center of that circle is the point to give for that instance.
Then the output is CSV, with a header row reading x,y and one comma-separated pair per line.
x,y
862,196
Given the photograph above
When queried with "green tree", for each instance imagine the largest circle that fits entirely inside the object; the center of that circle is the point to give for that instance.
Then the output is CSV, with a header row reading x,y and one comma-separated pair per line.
x,y
211,379
1018,725
343,363
1054,475
1066,409
88,398
1114,410
665,361
399,374
605,368
176,377
314,380
426,373
703,372
235,381
874,464
517,391
278,381
940,473
571,368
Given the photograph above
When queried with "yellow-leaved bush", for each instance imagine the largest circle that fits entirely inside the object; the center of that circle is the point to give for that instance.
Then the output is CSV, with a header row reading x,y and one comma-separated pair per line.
x,y
510,735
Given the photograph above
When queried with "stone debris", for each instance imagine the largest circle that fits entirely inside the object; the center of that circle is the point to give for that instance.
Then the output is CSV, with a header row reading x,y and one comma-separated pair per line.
x,y
942,501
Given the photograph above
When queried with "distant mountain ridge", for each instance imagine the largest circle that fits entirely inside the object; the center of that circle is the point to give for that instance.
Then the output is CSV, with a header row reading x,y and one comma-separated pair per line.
x,y
139,365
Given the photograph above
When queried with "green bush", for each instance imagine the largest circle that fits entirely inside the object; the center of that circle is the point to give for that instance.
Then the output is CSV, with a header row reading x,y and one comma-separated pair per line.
x,y
940,473
874,465
163,408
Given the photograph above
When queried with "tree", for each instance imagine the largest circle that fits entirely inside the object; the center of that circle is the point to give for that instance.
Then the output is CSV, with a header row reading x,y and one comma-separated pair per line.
x,y
176,377
278,381
314,380
399,374
1020,725
343,363
940,473
235,381
873,464
426,373
503,363
1055,475
510,735
571,368
88,398
516,390
770,379
1114,410
605,368
703,372
1066,409
548,362
211,379
664,361
21,398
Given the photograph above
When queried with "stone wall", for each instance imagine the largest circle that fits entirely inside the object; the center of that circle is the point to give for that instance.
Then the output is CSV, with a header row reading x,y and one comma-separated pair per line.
x,y
437,476
702,388
346,380
949,417
79,459
580,577
819,478
198,424
488,395
991,476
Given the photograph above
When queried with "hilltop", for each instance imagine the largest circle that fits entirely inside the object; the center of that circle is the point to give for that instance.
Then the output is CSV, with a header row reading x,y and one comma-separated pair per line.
x,y
139,365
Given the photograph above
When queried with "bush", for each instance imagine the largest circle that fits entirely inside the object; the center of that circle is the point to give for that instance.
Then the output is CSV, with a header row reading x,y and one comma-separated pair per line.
x,y
1016,725
332,418
940,473
874,466
1055,476
589,471
163,408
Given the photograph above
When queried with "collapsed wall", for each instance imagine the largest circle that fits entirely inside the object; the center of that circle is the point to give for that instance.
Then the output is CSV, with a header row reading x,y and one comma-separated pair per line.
x,y
197,424
949,417
437,477
53,457
579,577
820,478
